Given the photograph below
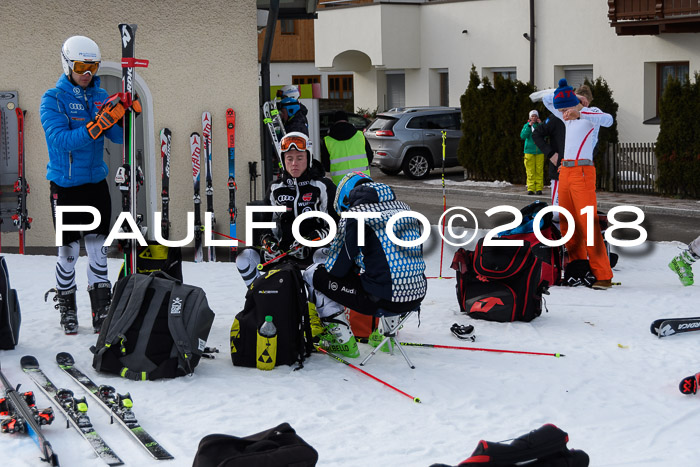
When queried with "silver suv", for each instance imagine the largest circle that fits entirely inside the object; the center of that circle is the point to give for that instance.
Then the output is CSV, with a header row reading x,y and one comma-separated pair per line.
x,y
410,139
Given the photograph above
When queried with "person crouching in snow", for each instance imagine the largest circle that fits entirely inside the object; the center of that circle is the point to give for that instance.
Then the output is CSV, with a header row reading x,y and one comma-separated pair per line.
x,y
577,178
391,277
299,190
682,264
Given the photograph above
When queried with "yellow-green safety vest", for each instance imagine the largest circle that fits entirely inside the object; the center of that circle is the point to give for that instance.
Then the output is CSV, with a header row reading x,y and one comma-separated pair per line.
x,y
347,156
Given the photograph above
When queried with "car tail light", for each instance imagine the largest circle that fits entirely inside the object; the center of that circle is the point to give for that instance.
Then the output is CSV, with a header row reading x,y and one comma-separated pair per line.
x,y
381,153
384,133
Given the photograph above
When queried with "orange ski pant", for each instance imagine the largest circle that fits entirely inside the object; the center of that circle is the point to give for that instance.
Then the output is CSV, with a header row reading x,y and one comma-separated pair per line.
x,y
576,191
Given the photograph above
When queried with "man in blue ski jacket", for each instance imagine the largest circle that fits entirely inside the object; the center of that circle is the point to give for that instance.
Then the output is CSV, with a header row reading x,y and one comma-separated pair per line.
x,y
76,115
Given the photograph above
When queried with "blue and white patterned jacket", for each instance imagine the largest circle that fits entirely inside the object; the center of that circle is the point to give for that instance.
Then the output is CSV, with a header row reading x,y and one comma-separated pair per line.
x,y
387,271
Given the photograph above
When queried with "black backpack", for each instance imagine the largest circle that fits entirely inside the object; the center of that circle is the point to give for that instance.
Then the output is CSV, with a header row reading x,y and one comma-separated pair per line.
x,y
499,283
276,447
157,327
280,293
10,317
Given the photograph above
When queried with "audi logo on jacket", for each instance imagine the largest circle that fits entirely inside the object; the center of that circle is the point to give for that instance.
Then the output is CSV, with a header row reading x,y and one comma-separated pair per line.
x,y
312,191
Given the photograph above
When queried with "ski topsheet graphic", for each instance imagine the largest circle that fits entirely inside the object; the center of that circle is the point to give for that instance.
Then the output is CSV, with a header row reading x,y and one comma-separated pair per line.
x,y
670,326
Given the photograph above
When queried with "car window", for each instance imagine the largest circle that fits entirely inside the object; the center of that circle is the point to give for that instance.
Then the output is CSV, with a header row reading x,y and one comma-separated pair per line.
x,y
357,121
456,123
382,123
444,121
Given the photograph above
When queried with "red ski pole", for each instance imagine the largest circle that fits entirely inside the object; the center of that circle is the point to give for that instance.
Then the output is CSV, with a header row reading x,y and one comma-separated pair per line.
x,y
278,257
227,236
455,347
342,360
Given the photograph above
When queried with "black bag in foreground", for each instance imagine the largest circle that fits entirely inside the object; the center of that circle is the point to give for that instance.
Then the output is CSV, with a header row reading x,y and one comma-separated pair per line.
x,y
276,447
157,327
10,317
544,447
279,293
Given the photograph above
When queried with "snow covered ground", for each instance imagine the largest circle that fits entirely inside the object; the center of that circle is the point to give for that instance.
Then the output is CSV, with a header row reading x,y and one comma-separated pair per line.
x,y
615,392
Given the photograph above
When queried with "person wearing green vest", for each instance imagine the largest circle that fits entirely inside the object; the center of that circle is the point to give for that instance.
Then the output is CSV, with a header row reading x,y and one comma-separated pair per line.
x,y
345,149
534,159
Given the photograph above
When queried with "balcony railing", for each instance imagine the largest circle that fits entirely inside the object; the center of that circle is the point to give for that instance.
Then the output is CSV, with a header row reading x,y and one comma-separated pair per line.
x,y
631,17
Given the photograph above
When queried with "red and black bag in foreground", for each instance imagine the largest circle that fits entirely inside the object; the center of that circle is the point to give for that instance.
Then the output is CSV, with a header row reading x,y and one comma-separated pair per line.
x,y
544,447
499,283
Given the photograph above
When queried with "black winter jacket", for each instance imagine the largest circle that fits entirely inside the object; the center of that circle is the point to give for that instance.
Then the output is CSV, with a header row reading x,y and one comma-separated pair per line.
x,y
549,137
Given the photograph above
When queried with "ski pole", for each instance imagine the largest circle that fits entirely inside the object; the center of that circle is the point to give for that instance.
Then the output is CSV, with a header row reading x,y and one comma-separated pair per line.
x,y
342,360
227,236
456,347
280,256
444,200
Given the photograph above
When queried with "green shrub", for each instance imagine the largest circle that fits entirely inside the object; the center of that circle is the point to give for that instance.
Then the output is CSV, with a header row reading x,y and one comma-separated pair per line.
x,y
678,143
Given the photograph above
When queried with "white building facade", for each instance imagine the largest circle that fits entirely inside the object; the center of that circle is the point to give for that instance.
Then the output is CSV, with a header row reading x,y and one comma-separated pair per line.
x,y
422,53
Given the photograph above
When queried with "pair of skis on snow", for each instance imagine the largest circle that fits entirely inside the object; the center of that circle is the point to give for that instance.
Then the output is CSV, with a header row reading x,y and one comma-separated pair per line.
x,y
203,143
670,326
75,409
20,218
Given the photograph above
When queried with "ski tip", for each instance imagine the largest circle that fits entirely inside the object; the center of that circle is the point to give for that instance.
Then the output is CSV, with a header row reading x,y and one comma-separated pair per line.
x,y
29,362
689,384
65,359
655,326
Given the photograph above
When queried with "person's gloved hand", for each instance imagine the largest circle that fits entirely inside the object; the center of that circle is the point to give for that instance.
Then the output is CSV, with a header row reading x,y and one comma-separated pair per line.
x,y
271,247
299,251
539,95
111,112
319,234
136,104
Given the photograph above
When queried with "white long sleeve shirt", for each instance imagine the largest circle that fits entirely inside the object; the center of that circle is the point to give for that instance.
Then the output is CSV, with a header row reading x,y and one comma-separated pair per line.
x,y
581,134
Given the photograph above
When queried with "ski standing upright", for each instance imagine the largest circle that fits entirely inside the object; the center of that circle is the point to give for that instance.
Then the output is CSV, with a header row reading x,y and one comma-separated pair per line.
x,y
127,177
209,190
275,126
21,219
195,151
165,139
232,187
24,417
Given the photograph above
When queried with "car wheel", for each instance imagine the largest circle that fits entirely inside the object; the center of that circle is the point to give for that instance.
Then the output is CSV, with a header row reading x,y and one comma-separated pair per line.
x,y
416,165
390,171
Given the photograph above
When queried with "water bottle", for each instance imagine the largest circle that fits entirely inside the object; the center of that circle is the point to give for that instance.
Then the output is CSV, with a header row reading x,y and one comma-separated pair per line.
x,y
266,350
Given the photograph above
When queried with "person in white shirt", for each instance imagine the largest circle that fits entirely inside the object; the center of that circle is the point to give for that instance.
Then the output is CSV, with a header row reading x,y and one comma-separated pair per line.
x,y
577,178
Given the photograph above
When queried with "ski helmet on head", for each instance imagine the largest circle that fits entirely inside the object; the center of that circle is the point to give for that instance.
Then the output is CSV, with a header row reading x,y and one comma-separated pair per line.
x,y
291,105
83,50
291,91
296,140
346,185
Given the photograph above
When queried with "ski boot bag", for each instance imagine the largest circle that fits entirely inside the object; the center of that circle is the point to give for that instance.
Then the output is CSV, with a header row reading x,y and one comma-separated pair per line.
x,y
157,327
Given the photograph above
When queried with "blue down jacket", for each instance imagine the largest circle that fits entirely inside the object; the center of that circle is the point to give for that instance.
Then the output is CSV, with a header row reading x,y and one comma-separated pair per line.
x,y
74,157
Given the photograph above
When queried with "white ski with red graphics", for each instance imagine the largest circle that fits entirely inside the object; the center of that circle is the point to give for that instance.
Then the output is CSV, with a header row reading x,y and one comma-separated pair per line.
x,y
209,190
232,187
670,326
196,151
21,220
74,409
116,405
165,140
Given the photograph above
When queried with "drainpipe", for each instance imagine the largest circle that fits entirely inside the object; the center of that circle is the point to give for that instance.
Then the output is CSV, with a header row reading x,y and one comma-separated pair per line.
x,y
268,156
532,42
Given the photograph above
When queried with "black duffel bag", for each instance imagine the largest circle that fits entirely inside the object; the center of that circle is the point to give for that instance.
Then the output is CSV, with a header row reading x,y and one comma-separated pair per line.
x,y
277,447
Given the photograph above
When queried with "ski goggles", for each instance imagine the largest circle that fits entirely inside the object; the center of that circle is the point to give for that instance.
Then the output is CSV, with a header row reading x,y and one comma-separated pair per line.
x,y
293,141
83,67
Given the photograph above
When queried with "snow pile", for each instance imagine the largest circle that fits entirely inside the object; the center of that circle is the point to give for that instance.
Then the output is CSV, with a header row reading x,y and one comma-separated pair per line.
x,y
468,183
615,392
